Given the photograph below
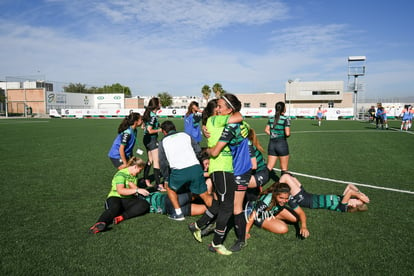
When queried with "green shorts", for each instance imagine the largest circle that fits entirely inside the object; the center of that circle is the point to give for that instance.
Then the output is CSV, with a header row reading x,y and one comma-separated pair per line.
x,y
193,176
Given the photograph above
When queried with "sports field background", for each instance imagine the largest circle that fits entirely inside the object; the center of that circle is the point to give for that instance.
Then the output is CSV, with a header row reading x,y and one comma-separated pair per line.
x,y
55,176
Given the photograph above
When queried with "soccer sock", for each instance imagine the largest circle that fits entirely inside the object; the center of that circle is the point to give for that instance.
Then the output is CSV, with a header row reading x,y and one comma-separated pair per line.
x,y
178,211
209,215
219,236
240,226
157,176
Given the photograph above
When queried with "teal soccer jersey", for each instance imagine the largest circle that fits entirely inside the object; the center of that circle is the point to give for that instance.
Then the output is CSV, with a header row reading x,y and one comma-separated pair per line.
x,y
277,131
156,201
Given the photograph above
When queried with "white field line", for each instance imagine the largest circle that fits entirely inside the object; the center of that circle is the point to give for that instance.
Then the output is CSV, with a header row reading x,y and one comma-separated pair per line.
x,y
21,122
348,182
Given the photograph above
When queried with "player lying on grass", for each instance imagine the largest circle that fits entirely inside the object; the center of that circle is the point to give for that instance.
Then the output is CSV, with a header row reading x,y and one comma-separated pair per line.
x,y
274,211
352,200
161,204
123,201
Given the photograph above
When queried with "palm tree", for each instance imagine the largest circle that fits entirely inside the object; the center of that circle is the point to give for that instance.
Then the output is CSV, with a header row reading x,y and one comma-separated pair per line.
x,y
218,89
206,91
165,99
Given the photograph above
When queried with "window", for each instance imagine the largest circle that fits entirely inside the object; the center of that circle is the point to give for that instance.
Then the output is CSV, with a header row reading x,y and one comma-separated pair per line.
x,y
246,105
262,104
325,92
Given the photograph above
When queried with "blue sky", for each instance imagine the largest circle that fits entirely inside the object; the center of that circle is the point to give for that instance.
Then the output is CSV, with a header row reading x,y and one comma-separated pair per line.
x,y
178,46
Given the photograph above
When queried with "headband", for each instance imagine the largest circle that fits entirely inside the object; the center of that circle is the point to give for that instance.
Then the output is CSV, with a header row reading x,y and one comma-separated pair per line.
x,y
228,102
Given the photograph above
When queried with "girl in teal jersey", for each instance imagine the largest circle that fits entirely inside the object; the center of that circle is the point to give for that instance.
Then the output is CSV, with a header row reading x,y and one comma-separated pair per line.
x,y
123,201
150,140
351,200
273,211
123,145
260,175
278,127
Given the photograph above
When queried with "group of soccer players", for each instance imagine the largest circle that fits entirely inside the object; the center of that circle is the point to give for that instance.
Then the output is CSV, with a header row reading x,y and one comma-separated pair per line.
x,y
237,170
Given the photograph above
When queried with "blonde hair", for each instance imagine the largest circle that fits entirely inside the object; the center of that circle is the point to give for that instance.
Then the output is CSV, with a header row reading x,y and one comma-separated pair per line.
x,y
135,161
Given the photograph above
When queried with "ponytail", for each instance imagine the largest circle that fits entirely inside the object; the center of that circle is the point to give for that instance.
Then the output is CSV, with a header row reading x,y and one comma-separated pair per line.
x,y
135,161
279,109
129,121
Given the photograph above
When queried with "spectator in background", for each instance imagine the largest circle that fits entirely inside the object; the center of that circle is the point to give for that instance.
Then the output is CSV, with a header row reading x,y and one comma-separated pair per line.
x,y
192,122
319,115
371,114
406,117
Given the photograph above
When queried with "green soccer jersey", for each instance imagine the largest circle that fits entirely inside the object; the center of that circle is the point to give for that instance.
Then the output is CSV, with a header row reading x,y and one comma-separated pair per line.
x,y
153,122
277,131
223,161
156,201
122,177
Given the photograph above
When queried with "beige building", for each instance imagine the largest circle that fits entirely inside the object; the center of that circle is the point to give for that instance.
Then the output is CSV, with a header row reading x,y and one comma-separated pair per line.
x,y
298,95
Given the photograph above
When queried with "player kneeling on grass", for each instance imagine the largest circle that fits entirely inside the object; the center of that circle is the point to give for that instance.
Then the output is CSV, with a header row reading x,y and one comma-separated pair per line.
x,y
124,200
274,211
352,200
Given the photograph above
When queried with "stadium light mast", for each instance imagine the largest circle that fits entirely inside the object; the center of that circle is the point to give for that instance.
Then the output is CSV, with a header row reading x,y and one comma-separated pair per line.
x,y
356,68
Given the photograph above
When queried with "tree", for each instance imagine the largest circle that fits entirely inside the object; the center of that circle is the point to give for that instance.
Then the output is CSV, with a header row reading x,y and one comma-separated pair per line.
x,y
2,96
165,99
75,88
106,89
218,89
206,91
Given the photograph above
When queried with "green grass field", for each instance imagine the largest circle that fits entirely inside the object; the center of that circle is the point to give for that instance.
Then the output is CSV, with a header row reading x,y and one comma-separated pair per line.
x,y
55,176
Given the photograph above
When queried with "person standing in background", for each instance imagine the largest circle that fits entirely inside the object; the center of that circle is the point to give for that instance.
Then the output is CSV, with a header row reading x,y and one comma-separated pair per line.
x,y
192,122
278,127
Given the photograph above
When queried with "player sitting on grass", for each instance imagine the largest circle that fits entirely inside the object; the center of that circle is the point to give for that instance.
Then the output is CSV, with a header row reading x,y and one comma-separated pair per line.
x,y
123,201
352,200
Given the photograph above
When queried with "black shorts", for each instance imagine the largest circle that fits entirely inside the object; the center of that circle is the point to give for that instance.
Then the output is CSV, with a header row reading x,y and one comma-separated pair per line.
x,y
278,147
261,177
150,142
117,162
242,181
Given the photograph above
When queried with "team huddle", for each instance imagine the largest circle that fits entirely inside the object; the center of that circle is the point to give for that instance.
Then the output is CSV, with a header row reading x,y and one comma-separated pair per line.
x,y
224,183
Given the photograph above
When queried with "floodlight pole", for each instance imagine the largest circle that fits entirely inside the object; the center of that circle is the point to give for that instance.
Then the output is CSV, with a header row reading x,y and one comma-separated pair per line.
x,y
355,97
356,71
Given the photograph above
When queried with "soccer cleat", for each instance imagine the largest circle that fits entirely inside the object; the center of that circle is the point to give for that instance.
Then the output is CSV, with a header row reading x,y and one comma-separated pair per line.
x,y
221,249
195,231
177,217
118,219
238,246
97,227
208,230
